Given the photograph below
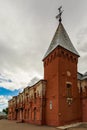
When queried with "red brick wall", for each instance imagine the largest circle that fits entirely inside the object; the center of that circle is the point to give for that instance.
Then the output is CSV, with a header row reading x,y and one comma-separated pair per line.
x,y
69,113
84,102
51,75
84,110
56,66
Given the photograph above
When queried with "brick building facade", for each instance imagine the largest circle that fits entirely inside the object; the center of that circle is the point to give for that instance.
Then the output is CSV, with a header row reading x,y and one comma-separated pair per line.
x,y
61,97
29,106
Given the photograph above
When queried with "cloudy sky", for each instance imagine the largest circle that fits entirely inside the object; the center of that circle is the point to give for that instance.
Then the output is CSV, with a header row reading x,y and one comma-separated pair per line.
x,y
26,30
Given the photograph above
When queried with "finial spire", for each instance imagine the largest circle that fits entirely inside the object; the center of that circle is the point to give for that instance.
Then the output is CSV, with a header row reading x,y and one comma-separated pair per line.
x,y
60,13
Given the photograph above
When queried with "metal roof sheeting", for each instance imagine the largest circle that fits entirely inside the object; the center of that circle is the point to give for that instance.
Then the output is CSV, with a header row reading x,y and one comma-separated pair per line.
x,y
82,76
62,39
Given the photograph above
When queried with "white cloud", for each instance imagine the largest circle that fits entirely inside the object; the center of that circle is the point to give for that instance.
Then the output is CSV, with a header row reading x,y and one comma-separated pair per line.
x,y
26,29
12,82
33,81
82,48
4,101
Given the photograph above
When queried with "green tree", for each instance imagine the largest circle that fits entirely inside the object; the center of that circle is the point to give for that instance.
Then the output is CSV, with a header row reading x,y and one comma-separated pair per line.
x,y
5,110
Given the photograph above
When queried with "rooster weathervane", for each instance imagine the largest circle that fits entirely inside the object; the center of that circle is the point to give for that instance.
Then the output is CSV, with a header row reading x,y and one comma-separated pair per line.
x,y
60,13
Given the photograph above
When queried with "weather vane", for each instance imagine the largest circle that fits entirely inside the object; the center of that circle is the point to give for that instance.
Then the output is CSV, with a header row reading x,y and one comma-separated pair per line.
x,y
60,13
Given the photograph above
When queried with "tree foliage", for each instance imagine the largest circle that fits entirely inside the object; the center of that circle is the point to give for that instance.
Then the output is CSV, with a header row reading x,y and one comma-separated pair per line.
x,y
5,110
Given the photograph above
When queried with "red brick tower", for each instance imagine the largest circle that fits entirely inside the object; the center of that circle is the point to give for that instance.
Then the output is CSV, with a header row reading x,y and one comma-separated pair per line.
x,y
60,71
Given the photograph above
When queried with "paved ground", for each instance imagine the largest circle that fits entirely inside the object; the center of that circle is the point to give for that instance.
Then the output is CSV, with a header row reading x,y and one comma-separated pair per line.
x,y
80,127
12,125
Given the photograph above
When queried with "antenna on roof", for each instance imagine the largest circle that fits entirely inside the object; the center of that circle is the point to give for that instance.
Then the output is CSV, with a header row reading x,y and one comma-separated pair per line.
x,y
60,13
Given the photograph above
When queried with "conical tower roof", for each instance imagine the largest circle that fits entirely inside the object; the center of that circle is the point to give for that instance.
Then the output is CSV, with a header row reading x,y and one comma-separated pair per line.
x,y
62,39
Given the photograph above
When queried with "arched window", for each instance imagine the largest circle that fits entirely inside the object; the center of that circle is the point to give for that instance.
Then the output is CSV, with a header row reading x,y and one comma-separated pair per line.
x,y
34,113
69,90
34,97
